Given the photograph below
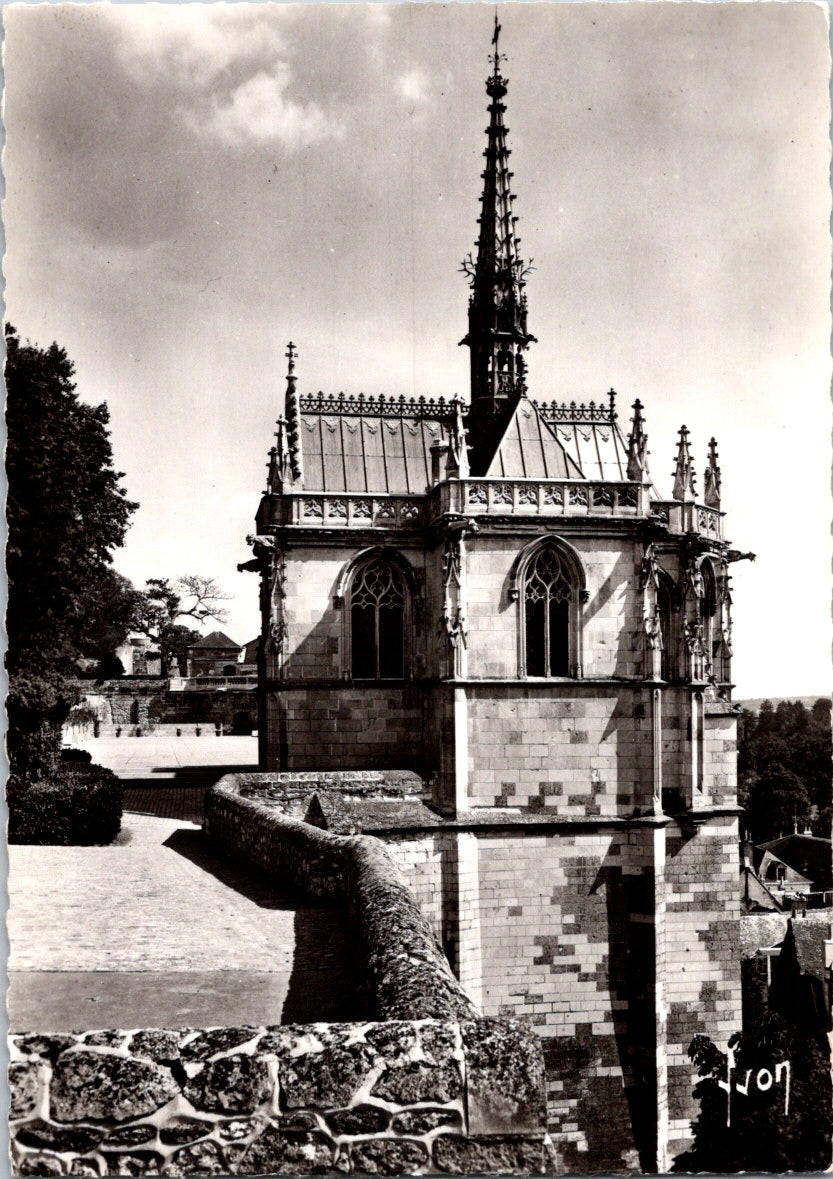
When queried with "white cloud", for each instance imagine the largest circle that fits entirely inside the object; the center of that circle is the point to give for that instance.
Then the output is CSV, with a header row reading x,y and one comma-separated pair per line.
x,y
195,44
259,110
228,66
413,86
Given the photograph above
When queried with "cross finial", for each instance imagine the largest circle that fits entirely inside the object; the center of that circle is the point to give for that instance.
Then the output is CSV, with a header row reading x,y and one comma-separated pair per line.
x,y
290,354
496,57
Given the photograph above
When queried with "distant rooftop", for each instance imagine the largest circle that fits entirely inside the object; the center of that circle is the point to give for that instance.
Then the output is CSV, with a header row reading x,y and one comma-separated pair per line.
x,y
217,640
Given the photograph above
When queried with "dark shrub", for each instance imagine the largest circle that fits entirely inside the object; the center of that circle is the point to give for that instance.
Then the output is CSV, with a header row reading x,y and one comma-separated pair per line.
x,y
77,755
82,805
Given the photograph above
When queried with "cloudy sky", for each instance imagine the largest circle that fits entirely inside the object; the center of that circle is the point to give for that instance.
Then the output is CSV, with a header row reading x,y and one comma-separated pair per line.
x,y
189,187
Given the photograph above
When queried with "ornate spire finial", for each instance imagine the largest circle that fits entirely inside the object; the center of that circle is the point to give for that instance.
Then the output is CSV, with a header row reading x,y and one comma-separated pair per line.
x,y
497,334
496,57
683,470
458,459
291,414
711,478
637,446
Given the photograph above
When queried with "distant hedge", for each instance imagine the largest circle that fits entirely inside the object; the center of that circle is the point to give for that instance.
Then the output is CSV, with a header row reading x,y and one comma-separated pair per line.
x,y
82,805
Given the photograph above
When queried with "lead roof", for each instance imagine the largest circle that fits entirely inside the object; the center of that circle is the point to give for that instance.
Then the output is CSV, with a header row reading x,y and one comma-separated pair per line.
x,y
383,446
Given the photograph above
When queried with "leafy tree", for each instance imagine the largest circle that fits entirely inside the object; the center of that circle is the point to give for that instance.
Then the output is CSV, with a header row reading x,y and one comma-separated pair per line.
x,y
66,513
112,607
777,803
761,1131
174,642
791,739
109,667
163,602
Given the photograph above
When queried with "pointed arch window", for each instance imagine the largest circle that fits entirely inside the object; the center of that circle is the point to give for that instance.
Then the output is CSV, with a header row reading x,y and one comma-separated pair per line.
x,y
549,603
669,626
708,613
378,602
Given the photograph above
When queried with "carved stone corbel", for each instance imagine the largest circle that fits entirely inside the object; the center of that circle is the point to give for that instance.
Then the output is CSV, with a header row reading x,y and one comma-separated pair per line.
x,y
651,623
453,618
276,605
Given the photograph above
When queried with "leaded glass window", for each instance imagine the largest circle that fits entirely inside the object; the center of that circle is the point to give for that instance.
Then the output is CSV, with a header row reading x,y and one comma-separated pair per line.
x,y
549,594
377,621
668,668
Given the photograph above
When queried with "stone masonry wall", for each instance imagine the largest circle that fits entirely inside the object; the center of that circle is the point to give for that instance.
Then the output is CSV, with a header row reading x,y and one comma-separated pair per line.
x,y
703,988
315,636
344,727
565,920
611,621
580,751
372,1098
557,928
720,738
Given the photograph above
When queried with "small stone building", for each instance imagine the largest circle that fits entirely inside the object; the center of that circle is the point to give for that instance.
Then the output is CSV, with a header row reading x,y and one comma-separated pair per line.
x,y
214,654
495,593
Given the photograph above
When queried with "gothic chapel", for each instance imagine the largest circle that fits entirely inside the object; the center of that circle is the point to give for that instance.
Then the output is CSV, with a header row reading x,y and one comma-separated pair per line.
x,y
494,594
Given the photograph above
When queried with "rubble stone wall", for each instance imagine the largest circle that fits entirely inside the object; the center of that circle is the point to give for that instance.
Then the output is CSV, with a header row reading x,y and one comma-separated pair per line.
x,y
405,971
380,1098
132,702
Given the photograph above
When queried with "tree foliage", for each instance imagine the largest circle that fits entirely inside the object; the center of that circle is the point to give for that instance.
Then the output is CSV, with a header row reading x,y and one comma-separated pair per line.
x,y
764,1132
66,513
164,602
785,765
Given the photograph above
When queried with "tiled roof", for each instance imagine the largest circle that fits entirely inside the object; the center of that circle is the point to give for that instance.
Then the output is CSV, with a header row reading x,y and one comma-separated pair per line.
x,y
808,854
809,946
216,641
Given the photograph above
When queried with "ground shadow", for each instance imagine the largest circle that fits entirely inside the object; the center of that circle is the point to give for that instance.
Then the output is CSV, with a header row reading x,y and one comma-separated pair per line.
x,y
182,796
199,775
324,982
194,846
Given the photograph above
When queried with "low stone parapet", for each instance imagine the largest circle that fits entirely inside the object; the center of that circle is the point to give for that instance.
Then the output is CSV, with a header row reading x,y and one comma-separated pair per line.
x,y
405,972
396,1097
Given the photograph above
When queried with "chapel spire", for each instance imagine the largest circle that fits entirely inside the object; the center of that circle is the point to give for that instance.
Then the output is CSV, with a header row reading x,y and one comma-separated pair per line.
x,y
497,335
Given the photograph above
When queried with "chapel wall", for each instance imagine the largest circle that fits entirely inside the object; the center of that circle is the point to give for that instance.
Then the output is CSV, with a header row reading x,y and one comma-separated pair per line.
x,y
583,751
566,930
611,620
703,989
343,728
315,627
720,763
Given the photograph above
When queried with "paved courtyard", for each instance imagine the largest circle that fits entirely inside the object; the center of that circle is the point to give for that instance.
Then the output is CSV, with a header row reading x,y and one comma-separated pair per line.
x,y
166,775
159,929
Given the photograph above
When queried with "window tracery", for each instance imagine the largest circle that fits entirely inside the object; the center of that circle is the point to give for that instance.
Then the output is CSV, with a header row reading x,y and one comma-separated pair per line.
x,y
378,601
549,596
